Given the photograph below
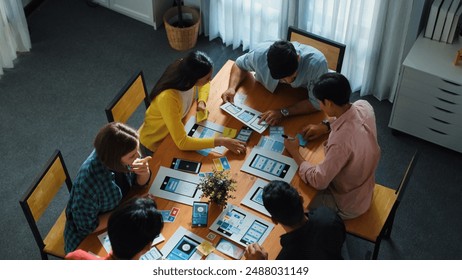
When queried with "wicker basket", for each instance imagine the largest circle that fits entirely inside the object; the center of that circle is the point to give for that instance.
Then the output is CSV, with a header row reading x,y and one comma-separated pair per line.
x,y
182,38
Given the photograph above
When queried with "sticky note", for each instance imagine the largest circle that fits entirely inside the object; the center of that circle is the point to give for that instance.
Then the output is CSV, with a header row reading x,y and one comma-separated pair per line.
x,y
229,132
202,115
205,248
301,140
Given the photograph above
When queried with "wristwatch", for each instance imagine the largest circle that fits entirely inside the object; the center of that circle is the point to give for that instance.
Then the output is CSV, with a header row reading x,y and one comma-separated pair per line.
x,y
285,112
326,123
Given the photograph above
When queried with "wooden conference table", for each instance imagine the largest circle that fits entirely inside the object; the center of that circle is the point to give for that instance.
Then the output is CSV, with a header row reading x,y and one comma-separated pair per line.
x,y
259,99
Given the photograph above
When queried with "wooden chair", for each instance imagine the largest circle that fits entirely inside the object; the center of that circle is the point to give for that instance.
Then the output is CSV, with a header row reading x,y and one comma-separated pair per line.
x,y
37,199
128,99
333,51
376,224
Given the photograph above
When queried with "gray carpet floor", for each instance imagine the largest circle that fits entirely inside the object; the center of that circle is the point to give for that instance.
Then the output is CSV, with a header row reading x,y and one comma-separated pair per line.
x,y
54,98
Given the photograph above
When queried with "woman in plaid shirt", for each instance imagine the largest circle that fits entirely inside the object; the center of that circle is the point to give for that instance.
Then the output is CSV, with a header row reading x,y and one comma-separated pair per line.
x,y
113,167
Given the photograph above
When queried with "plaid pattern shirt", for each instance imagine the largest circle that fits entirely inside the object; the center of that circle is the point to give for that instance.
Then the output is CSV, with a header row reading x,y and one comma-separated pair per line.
x,y
94,192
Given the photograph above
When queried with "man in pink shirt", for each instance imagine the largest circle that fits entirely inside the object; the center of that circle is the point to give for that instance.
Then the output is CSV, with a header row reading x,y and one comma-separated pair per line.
x,y
346,177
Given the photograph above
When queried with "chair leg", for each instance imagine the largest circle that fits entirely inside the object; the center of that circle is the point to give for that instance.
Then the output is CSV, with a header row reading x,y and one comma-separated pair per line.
x,y
389,226
44,256
375,254
387,232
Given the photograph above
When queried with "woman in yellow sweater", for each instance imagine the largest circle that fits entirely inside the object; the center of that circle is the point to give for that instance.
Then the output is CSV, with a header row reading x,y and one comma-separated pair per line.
x,y
171,100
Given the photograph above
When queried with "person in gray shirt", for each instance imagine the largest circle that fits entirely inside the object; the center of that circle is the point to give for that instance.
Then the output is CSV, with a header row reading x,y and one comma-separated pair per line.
x,y
280,62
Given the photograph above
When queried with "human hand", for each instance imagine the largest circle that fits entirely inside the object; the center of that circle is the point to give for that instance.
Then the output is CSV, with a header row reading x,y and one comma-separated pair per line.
x,y
201,106
140,166
150,196
313,131
271,117
228,95
255,252
292,146
235,146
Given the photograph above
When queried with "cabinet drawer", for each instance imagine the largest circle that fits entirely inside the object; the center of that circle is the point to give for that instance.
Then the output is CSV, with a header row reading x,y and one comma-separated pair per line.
x,y
431,95
405,105
432,123
427,133
454,87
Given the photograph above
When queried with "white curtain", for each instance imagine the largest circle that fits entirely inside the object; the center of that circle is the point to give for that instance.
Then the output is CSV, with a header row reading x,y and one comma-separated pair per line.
x,y
350,22
14,35
387,42
374,32
246,23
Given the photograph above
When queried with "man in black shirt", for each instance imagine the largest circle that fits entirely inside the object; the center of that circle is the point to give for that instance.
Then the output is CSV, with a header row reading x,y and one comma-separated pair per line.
x,y
316,235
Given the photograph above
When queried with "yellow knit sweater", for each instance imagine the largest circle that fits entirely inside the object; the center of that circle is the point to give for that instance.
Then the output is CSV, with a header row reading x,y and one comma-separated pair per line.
x,y
164,116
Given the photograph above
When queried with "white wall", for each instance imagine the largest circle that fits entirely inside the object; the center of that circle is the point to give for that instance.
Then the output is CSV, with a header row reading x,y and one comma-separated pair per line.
x,y
417,22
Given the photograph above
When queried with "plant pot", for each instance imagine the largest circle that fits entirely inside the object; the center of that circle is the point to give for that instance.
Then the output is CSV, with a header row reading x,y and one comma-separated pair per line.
x,y
182,38
216,209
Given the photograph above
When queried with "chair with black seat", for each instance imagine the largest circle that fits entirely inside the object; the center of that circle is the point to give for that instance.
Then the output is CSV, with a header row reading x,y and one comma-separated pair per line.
x,y
332,50
37,199
376,224
128,99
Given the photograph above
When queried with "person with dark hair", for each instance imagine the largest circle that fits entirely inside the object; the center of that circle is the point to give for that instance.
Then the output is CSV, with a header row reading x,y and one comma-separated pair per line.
x,y
280,62
131,229
346,177
172,98
106,176
316,235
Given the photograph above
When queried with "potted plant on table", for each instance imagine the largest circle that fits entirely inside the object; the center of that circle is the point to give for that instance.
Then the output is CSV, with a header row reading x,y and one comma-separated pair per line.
x,y
182,26
217,187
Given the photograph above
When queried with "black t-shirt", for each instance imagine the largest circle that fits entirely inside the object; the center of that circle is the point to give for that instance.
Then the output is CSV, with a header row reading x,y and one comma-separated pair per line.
x,y
321,238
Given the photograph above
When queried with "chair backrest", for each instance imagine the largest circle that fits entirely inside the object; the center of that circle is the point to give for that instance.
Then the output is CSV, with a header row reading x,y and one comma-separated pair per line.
x,y
128,99
39,196
333,51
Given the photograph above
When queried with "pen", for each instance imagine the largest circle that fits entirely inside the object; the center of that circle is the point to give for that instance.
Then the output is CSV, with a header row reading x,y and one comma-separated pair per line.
x,y
287,137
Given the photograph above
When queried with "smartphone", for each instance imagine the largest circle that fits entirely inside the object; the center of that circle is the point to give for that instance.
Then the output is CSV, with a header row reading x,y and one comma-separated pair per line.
x,y
186,165
244,134
200,214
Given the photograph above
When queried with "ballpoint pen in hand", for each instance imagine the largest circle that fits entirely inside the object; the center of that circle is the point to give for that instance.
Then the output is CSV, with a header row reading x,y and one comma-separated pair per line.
x,y
287,137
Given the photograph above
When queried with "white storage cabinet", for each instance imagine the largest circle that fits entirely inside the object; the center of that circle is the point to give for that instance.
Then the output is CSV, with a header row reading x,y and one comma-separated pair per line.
x,y
428,102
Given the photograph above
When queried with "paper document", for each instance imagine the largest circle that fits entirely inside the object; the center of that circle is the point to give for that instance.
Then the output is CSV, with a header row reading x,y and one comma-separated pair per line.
x,y
176,186
241,226
253,198
270,165
246,115
182,246
205,129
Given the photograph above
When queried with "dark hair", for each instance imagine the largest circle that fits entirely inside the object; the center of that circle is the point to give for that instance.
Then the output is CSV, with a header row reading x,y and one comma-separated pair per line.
x,y
133,226
282,59
113,141
334,87
283,202
184,73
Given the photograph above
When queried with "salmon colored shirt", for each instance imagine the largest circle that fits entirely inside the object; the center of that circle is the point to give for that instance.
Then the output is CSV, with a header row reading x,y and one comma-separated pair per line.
x,y
164,116
351,157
